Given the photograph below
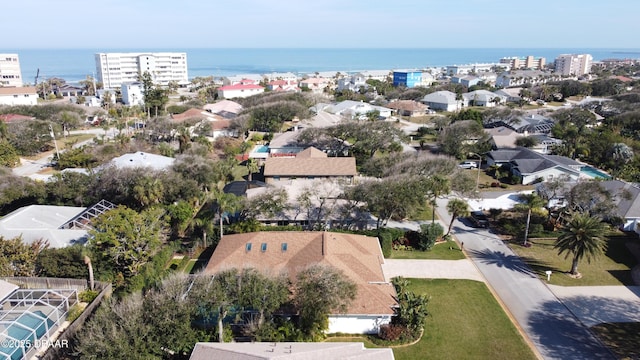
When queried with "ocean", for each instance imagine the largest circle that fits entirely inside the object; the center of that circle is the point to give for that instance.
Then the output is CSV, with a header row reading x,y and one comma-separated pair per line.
x,y
76,64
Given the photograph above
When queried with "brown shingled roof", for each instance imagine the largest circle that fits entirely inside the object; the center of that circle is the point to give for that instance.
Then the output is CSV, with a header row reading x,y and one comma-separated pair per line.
x,y
18,90
311,152
310,162
359,257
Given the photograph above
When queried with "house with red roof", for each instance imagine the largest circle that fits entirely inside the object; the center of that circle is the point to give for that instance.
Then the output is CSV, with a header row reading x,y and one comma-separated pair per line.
x,y
283,85
245,88
10,118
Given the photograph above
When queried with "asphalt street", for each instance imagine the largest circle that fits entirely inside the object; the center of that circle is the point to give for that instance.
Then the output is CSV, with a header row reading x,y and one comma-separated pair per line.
x,y
549,325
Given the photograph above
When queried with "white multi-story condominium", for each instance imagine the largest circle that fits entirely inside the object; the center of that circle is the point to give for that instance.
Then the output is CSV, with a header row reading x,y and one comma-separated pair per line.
x,y
528,62
10,74
571,64
115,69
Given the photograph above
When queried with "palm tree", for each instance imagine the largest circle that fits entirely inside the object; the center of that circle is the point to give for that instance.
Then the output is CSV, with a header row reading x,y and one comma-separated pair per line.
x,y
225,203
252,167
437,185
583,236
456,207
87,261
529,202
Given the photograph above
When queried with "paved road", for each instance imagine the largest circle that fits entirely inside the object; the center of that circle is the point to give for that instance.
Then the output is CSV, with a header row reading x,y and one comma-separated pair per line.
x,y
554,331
31,168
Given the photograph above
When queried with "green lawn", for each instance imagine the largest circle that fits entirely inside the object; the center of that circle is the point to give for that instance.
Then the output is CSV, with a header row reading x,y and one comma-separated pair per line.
x,y
465,322
613,268
438,252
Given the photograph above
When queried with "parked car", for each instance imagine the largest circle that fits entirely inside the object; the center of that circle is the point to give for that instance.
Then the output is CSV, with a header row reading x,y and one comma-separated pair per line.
x,y
468,165
479,219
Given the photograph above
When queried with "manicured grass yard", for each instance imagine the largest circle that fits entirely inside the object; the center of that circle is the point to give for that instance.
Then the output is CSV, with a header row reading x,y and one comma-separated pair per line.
x,y
438,252
465,322
613,268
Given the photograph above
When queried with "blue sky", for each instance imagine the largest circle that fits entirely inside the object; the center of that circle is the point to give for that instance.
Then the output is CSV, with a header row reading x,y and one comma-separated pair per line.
x,y
319,24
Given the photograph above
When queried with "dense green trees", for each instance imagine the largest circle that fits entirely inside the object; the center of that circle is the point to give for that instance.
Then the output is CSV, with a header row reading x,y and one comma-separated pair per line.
x,y
179,311
124,240
65,262
18,258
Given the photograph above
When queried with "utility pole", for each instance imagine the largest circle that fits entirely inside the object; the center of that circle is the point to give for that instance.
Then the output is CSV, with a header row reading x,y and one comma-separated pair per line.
x,y
53,135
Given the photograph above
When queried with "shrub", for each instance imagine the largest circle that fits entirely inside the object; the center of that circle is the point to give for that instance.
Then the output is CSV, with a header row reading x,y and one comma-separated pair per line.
x,y
504,186
429,234
393,332
88,295
74,312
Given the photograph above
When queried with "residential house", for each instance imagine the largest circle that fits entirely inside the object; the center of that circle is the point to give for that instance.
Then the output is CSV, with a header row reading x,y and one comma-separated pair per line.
x,y
142,160
243,89
352,83
502,137
531,166
466,80
286,143
408,108
283,85
18,95
316,85
310,163
43,222
287,76
132,93
380,75
68,90
407,78
528,124
357,109
511,94
521,77
289,351
240,79
219,125
544,143
444,100
627,198
226,108
484,98
321,209
469,68
358,257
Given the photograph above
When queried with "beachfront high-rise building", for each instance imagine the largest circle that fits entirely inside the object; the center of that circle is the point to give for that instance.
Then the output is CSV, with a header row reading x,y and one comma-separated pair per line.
x,y
529,62
115,69
570,64
10,74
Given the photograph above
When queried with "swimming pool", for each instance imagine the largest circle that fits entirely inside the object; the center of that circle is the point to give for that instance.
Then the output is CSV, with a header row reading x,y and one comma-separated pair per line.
x,y
261,149
594,173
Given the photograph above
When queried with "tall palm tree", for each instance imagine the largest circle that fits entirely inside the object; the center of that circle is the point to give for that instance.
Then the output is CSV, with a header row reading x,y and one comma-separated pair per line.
x,y
529,202
583,236
252,167
456,207
437,185
226,203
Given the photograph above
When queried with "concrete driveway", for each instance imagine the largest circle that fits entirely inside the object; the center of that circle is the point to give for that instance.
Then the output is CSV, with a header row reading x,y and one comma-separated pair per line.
x,y
431,269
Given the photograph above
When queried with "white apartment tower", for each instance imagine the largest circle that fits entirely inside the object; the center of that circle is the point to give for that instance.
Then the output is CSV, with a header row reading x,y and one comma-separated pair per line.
x,y
10,74
115,69
529,62
570,64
